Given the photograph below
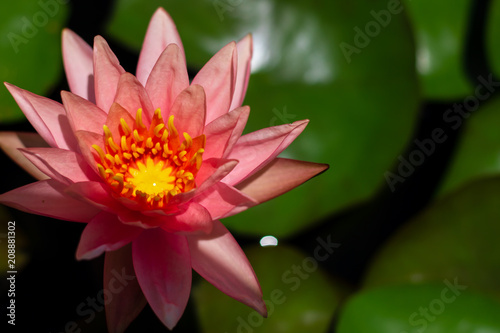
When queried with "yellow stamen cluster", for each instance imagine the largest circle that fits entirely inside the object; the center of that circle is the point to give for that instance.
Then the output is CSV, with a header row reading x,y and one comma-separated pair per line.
x,y
149,166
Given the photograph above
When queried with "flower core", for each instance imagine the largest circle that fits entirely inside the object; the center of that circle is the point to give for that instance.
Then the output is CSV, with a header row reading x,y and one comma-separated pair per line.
x,y
149,166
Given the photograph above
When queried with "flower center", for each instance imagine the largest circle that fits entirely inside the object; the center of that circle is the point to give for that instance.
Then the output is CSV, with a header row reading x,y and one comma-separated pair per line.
x,y
149,166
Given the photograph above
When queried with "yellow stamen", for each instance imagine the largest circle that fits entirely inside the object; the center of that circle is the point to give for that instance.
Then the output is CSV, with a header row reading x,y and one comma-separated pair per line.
x,y
123,143
100,153
157,129
107,132
149,166
125,128
112,144
171,128
188,139
137,137
138,119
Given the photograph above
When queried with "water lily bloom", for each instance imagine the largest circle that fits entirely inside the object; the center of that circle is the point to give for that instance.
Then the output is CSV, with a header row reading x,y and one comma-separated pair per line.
x,y
151,163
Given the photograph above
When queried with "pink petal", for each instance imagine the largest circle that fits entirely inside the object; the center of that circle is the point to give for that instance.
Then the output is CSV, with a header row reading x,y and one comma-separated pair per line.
x,y
163,268
161,32
223,132
256,149
116,113
135,218
47,198
65,166
119,279
217,77
85,142
132,96
167,79
278,177
107,71
195,218
11,142
83,115
245,50
212,171
132,214
105,233
221,261
221,199
189,110
78,64
47,117
98,194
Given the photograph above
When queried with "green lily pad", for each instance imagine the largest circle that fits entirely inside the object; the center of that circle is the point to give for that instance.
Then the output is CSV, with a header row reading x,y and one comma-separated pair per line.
x,y
309,62
478,152
299,296
30,49
440,30
430,308
456,237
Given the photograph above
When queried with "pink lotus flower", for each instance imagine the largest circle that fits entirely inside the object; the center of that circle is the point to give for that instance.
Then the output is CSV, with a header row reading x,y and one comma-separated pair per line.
x,y
151,163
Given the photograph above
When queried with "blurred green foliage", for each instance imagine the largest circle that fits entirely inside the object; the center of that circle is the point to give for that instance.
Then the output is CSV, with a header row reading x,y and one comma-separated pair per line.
x,y
299,296
478,150
440,29
457,236
432,308
30,49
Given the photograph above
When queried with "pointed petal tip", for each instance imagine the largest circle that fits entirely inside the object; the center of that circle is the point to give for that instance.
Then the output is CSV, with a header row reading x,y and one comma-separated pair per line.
x,y
278,177
12,88
247,40
161,11
197,90
174,48
64,94
83,253
68,97
300,122
258,304
315,169
66,33
128,77
160,33
161,260
322,167
100,43
99,39
90,255
171,322
261,308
